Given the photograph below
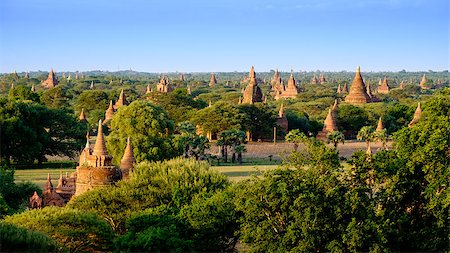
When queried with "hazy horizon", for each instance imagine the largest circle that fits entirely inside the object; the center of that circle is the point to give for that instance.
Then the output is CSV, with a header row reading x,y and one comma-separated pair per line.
x,y
159,36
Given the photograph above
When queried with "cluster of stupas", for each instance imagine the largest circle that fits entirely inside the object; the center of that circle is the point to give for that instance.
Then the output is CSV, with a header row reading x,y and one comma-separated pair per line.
x,y
359,94
279,90
95,169
383,86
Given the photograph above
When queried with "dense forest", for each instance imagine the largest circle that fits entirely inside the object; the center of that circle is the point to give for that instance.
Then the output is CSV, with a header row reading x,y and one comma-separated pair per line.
x,y
394,200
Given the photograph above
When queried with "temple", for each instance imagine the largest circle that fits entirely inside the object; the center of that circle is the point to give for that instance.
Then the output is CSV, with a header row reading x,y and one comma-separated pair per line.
x,y
358,93
416,117
253,93
212,80
51,81
383,87
282,120
289,91
322,79
95,167
423,83
164,85
149,89
277,83
314,79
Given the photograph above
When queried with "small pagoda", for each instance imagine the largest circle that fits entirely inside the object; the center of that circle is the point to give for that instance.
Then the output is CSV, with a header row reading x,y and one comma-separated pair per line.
x,y
384,88
282,121
51,81
289,91
109,112
164,85
252,93
423,83
329,125
417,115
212,80
121,101
358,93
128,161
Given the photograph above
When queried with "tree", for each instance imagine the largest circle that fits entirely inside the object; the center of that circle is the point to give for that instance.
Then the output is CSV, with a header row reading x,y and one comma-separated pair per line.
x,y
57,97
258,119
23,93
366,133
219,117
16,239
351,118
147,126
335,137
296,137
90,100
382,137
192,145
231,138
30,131
73,229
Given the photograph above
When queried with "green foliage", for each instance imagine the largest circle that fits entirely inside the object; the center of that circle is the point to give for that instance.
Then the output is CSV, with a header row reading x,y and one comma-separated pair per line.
x,y
146,124
351,118
74,229
193,145
179,105
233,139
397,117
366,133
90,100
57,97
219,117
16,239
174,182
23,93
30,131
335,137
14,197
258,118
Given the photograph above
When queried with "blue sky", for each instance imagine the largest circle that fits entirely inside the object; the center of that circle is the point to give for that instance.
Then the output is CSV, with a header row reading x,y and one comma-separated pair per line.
x,y
224,35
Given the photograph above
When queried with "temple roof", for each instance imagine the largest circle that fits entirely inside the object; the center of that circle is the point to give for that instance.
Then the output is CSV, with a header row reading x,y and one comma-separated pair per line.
x,y
291,81
100,147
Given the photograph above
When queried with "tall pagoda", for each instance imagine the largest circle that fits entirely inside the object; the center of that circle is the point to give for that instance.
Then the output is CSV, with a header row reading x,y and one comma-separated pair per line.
x,y
358,93
51,81
253,93
212,80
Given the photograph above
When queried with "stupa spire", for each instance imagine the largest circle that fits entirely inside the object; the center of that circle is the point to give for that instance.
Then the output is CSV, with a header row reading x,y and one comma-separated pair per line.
x,y
128,160
380,126
212,80
100,147
281,113
122,100
82,115
417,115
109,112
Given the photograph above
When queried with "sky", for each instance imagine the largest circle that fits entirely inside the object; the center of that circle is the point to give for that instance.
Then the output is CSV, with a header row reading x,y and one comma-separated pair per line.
x,y
224,35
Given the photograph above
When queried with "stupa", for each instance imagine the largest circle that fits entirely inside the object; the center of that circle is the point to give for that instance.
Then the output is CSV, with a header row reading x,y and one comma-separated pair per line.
x,y
82,116
128,160
109,112
212,80
95,168
380,126
329,125
282,120
417,115
290,91
358,94
423,83
121,101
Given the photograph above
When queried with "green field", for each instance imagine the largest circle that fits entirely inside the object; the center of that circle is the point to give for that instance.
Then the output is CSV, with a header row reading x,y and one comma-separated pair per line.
x,y
39,176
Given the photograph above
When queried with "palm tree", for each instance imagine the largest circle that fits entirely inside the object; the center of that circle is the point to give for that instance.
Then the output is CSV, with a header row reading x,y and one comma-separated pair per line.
x,y
366,133
296,137
381,136
335,137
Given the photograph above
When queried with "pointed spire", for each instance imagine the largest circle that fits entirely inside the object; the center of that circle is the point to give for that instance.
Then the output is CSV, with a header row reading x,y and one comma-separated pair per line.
x,y
110,111
212,80
26,75
82,116
92,85
338,89
189,90
128,159
48,188
291,81
417,115
99,147
335,105
88,145
60,180
423,82
384,88
380,126
330,122
121,101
